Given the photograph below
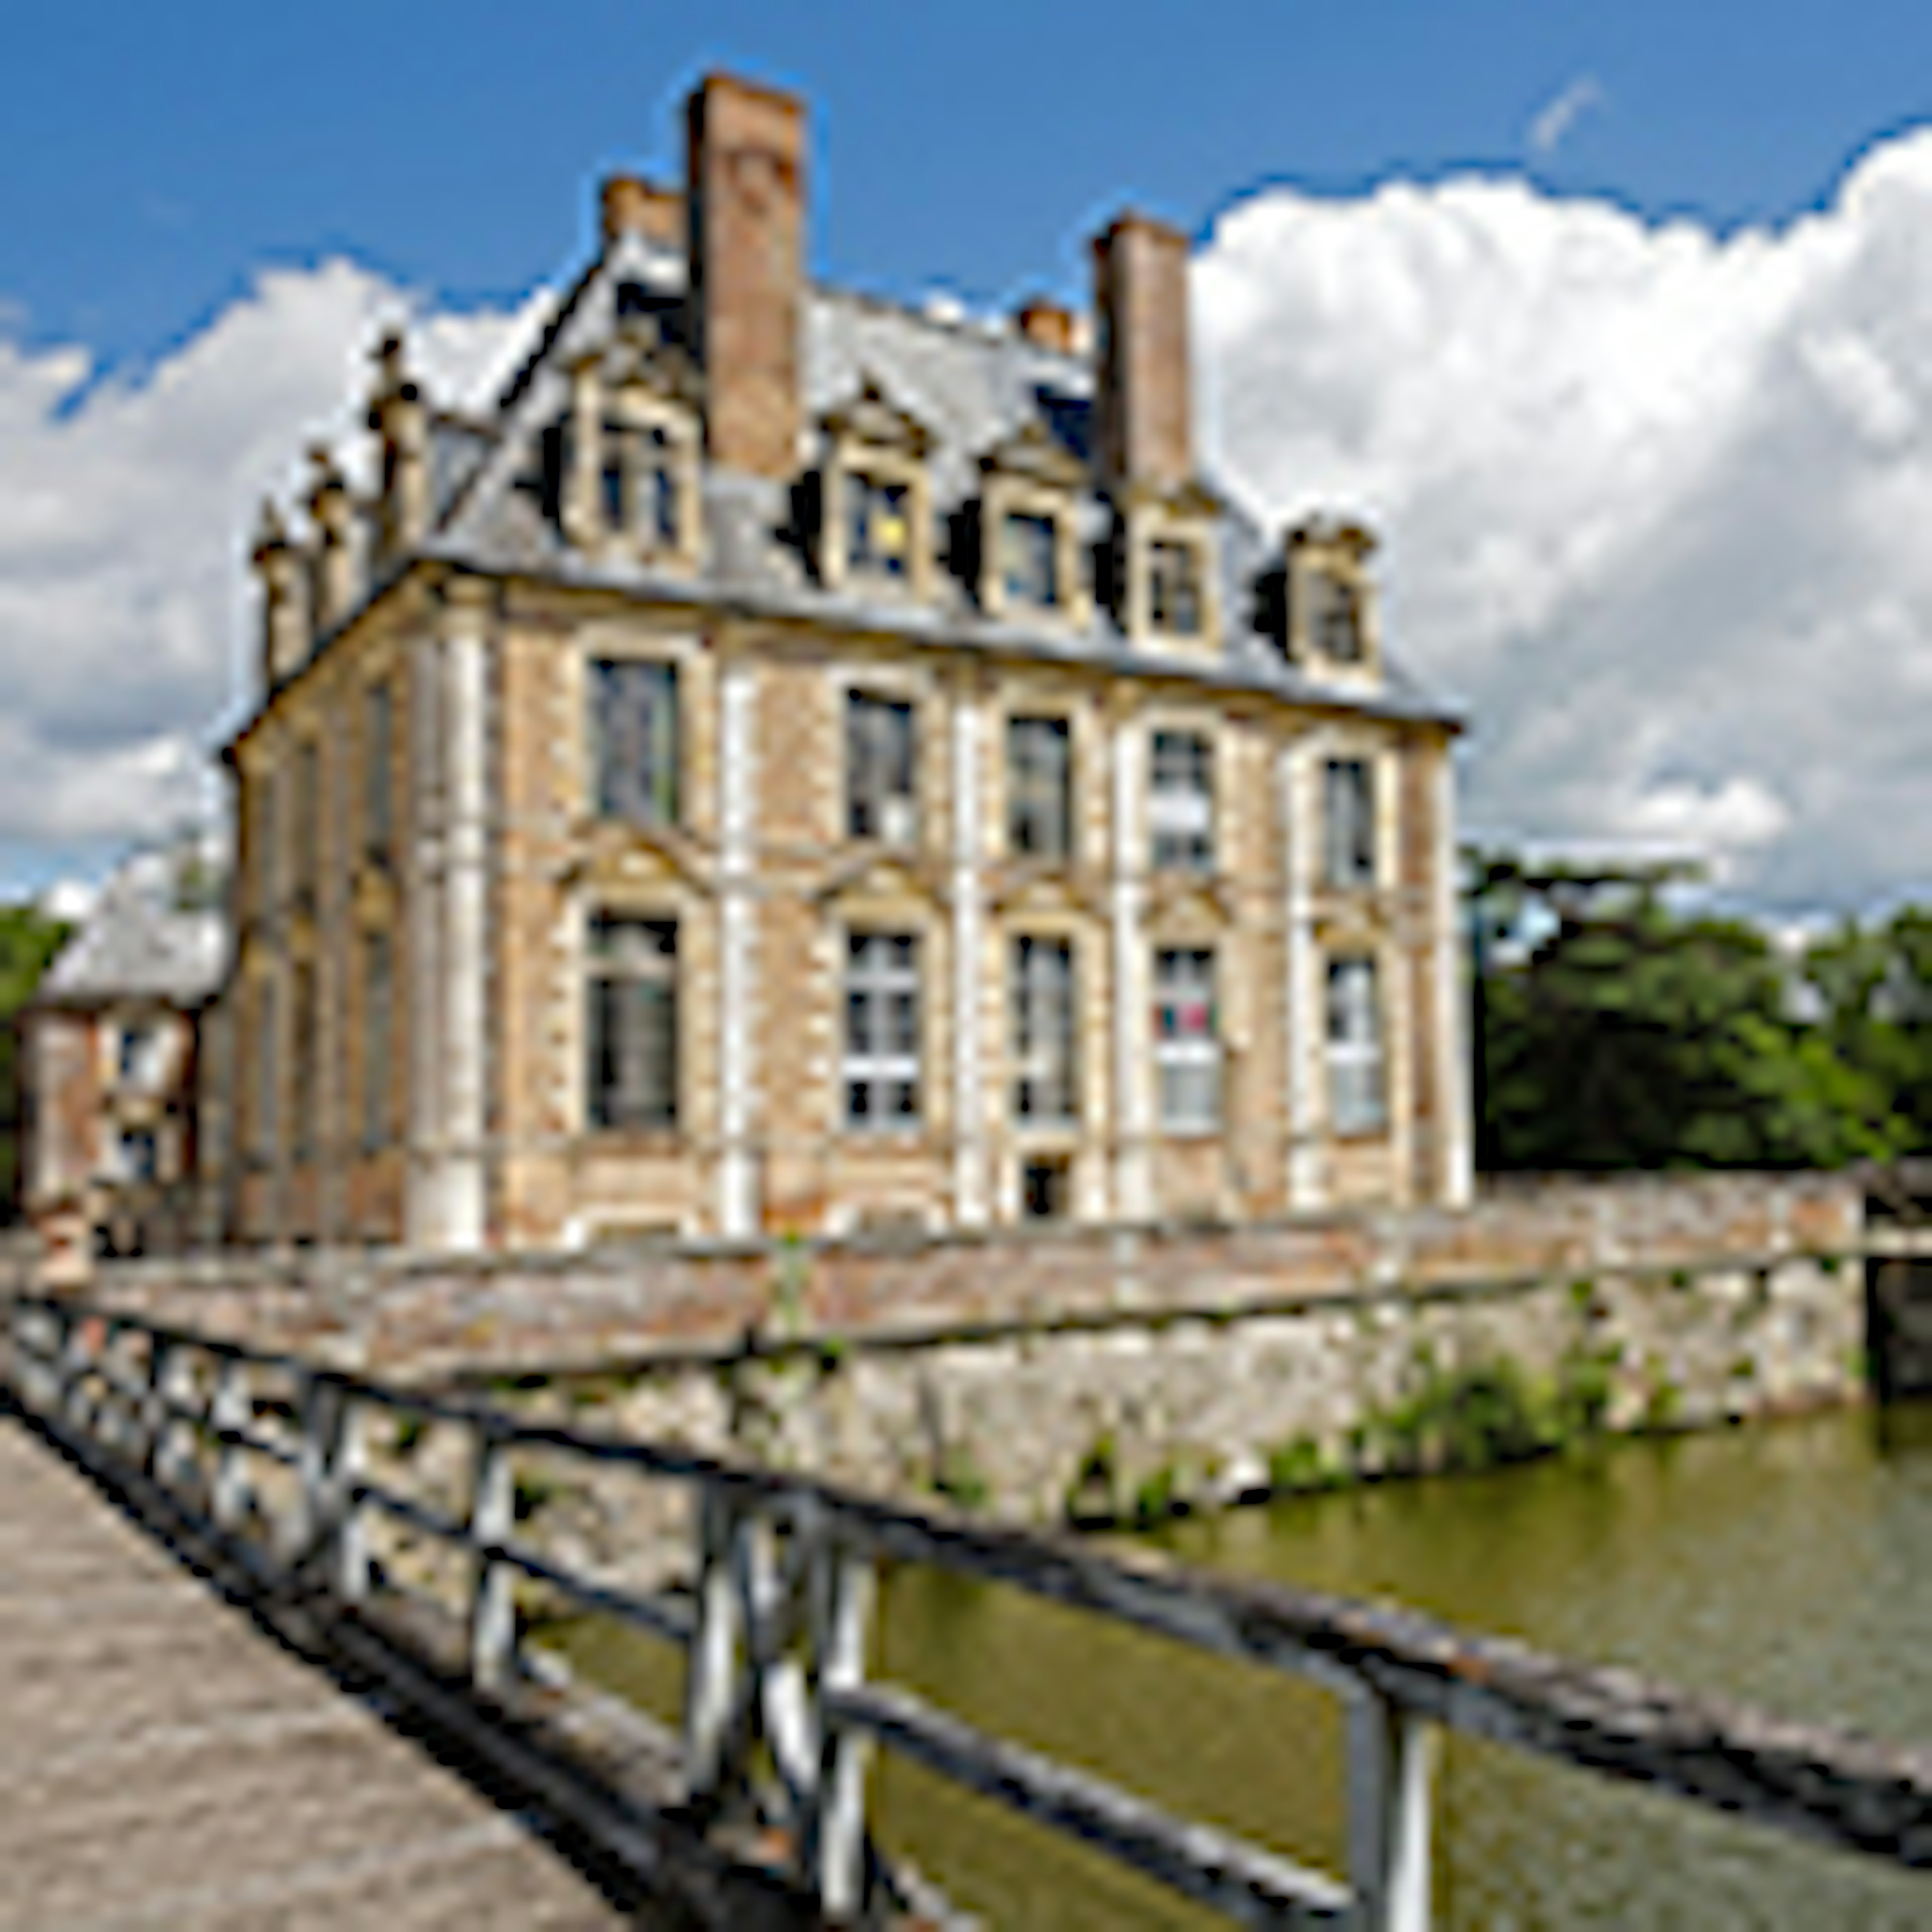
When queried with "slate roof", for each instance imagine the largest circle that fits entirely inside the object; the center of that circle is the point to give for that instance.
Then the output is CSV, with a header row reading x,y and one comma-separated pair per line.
x,y
971,385
136,944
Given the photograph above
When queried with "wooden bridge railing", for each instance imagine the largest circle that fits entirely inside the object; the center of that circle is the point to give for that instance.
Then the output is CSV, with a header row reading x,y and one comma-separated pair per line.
x,y
775,1630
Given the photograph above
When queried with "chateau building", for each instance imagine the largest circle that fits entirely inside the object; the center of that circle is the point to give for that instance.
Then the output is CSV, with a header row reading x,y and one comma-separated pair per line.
x,y
801,764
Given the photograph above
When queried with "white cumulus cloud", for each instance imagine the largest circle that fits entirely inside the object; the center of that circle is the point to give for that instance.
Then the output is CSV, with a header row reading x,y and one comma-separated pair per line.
x,y
1653,498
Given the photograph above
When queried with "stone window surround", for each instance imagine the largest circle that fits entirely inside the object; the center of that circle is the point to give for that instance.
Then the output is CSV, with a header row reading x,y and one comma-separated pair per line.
x,y
673,906
1198,721
596,643
899,683
1003,494
1383,957
1053,1128
1144,523
641,404
1345,559
927,1065
1340,744
849,455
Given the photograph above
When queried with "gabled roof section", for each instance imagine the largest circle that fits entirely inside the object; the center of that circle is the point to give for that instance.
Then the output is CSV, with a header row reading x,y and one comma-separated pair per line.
x,y
142,941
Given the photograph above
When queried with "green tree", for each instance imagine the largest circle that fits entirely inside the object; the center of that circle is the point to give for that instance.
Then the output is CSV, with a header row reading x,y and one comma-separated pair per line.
x,y
29,940
1620,1033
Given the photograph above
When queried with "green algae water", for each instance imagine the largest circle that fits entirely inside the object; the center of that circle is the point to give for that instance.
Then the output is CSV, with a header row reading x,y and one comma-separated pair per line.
x,y
1788,1564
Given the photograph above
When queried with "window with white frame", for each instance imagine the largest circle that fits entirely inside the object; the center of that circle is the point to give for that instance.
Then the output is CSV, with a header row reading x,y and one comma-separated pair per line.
x,y
1180,802
1357,1095
878,527
638,484
1045,1032
880,774
1186,1042
1349,822
630,1031
881,1063
1173,587
634,736
378,770
1039,787
378,1035
1030,559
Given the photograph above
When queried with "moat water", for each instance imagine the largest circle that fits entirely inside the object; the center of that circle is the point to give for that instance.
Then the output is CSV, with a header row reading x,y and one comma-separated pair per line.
x,y
1788,1563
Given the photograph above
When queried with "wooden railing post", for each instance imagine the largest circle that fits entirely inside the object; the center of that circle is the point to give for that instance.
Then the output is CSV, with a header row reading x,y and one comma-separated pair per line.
x,y
233,1409
1391,1763
711,1666
346,1510
843,1591
492,1609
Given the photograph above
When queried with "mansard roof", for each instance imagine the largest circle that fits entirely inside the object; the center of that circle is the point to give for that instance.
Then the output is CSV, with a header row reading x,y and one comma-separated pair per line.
x,y
975,390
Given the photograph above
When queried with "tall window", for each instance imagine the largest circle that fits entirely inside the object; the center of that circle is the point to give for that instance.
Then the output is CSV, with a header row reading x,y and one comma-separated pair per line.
x,y
378,774
268,1095
882,1031
1348,823
1044,1031
879,774
1039,787
638,484
1357,1098
378,1037
1187,1044
304,1022
1030,559
1180,805
1173,587
631,991
634,736
266,832
308,821
878,527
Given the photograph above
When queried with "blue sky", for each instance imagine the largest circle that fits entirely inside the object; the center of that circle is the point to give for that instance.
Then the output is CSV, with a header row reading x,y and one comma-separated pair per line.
x,y
156,157
1615,321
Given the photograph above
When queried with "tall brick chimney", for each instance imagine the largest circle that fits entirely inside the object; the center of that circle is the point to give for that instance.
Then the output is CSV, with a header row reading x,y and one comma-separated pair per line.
x,y
747,255
1140,376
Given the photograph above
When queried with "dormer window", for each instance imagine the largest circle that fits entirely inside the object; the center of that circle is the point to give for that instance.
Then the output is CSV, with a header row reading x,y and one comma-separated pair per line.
x,y
1173,587
878,520
639,485
1335,617
1030,559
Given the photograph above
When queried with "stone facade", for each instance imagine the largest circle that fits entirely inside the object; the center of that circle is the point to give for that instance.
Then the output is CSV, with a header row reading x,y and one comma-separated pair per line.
x,y
593,678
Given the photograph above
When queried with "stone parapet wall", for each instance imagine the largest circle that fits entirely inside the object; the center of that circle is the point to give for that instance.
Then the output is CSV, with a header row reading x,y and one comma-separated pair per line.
x,y
405,1319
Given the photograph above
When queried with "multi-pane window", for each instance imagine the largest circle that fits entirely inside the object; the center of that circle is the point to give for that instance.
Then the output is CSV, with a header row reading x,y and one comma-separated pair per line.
x,y
881,1067
378,770
267,1097
378,1037
1357,1097
304,1020
1173,587
139,1158
1181,803
1030,559
1349,822
631,989
1044,1031
878,527
634,735
265,832
1334,617
1039,787
638,484
1186,1043
879,773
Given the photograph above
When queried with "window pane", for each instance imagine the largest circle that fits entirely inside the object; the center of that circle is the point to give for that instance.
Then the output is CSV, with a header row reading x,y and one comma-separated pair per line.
x,y
879,769
1348,832
1180,805
632,1022
1040,776
1029,559
634,729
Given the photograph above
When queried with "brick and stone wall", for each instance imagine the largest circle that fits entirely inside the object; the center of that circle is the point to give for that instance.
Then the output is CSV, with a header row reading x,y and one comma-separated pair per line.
x,y
1104,1371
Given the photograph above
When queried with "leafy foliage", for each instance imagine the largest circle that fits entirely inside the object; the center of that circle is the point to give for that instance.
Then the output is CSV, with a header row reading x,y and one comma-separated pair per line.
x,y
1630,1034
28,941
